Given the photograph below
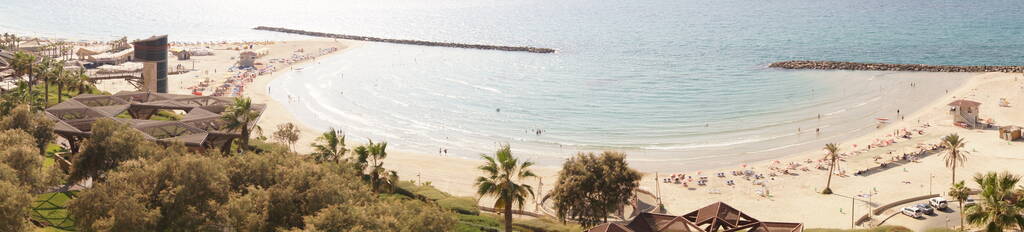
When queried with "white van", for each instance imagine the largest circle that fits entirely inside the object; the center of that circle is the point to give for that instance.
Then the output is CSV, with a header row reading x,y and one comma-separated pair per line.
x,y
913,212
938,202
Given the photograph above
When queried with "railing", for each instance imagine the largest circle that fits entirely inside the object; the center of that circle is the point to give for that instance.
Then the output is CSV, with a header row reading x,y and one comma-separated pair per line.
x,y
883,208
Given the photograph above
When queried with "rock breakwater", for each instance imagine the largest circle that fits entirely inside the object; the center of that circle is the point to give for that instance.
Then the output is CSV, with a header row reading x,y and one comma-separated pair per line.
x,y
839,65
406,41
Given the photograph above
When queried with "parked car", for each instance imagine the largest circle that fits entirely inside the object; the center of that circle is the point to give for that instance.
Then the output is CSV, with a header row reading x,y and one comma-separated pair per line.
x,y
969,202
911,211
925,208
938,203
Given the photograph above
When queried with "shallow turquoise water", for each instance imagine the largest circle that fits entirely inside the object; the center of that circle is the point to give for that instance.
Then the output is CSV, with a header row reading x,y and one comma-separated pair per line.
x,y
669,81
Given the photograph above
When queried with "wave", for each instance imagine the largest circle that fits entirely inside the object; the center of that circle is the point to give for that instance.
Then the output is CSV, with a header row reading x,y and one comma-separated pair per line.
x,y
474,86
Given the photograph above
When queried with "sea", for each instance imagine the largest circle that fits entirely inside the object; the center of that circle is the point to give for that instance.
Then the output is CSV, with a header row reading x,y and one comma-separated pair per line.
x,y
675,84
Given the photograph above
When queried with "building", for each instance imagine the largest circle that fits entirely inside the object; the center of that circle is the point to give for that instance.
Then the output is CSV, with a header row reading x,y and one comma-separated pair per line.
x,y
248,58
964,113
715,217
152,52
111,58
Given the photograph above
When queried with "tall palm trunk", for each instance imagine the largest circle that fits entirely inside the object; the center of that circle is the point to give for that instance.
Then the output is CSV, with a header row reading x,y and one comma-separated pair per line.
x,y
60,91
954,172
245,137
831,169
30,85
961,214
46,89
508,216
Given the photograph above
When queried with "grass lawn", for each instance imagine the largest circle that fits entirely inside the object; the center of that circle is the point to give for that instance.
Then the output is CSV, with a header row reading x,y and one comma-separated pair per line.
x,y
52,208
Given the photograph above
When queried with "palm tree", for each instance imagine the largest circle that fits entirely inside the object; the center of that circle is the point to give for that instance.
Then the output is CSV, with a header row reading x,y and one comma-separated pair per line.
x,y
954,156
24,64
239,117
1000,207
330,146
960,192
503,177
832,156
372,156
79,81
56,70
62,80
42,70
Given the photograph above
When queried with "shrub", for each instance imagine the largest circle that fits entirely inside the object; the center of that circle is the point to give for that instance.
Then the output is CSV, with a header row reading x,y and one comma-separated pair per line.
x,y
462,205
547,225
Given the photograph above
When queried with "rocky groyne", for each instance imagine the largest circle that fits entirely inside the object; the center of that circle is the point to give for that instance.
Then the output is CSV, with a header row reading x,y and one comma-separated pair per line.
x,y
406,41
839,65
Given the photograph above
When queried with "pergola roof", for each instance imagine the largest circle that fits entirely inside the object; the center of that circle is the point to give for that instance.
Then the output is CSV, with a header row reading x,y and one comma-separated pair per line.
x,y
715,217
201,126
965,103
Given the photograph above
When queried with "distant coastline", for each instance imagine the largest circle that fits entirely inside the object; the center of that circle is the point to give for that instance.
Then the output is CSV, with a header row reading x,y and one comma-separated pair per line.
x,y
840,65
406,41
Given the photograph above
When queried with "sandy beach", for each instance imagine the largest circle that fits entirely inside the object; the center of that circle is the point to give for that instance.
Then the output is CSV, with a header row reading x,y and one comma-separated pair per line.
x,y
792,193
795,193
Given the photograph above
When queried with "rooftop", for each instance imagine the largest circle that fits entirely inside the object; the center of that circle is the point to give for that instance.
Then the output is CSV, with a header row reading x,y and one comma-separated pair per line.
x,y
965,103
714,217
200,127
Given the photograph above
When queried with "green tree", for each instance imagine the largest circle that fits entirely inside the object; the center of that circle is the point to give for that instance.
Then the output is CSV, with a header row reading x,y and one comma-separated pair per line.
x,y
240,116
503,177
329,147
15,202
36,124
24,64
591,186
832,155
110,144
999,207
50,71
55,75
371,156
278,191
389,215
21,171
23,159
287,133
954,155
960,193
178,193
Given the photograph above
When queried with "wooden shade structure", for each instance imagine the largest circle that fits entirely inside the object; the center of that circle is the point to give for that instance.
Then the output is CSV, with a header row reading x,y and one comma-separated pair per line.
x,y
715,217
201,128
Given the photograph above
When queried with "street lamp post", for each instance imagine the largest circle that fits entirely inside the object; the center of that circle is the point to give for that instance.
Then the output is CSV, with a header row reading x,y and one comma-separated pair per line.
x,y
931,179
853,209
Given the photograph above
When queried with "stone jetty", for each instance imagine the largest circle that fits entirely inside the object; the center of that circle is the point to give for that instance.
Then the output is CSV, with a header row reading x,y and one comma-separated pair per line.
x,y
839,65
406,41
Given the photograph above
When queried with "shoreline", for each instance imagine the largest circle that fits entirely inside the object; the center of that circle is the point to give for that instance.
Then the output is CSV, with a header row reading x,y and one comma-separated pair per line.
x,y
455,175
452,174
